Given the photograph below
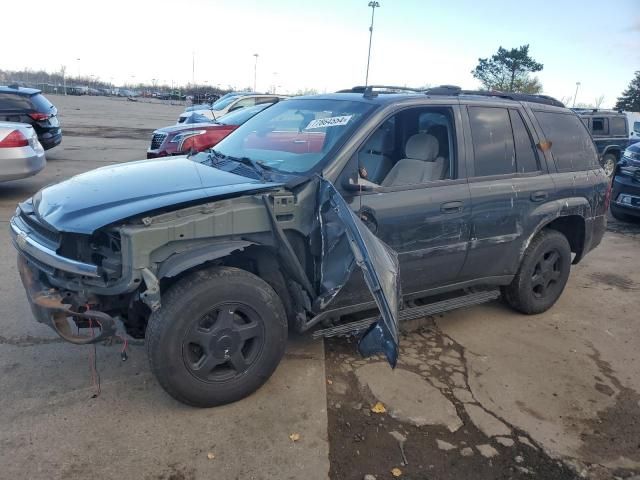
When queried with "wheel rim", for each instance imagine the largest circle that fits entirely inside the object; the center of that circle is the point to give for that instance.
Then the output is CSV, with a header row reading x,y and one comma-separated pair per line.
x,y
546,274
224,343
609,166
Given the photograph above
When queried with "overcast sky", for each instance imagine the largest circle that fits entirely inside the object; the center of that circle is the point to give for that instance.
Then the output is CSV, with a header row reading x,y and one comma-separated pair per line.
x,y
323,44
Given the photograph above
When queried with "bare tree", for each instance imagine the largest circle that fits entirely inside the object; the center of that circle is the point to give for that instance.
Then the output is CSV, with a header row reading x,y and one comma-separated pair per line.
x,y
599,101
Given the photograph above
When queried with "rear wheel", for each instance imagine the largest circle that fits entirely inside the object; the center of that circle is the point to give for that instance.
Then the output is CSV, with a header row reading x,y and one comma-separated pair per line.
x,y
609,162
543,274
218,336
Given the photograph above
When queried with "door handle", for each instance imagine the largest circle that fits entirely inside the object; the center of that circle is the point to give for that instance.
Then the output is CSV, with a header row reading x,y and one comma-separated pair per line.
x,y
451,207
539,196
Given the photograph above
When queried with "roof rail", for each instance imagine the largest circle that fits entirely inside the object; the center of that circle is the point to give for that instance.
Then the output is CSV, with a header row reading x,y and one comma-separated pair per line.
x,y
368,90
453,90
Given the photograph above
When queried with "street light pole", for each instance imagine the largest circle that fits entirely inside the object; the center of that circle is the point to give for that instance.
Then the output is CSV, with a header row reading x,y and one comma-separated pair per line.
x,y
373,6
255,72
576,95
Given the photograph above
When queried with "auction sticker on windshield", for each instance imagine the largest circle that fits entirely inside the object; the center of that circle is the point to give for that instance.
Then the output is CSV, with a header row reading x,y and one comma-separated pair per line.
x,y
329,122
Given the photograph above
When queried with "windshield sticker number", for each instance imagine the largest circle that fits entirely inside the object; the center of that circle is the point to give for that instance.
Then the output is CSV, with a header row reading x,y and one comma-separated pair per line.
x,y
329,122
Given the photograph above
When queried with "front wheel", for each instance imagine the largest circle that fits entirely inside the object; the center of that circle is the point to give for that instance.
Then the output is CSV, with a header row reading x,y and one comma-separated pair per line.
x,y
219,335
543,274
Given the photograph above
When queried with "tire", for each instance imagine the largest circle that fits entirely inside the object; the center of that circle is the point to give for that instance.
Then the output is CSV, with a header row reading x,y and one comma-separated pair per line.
x,y
609,162
542,275
219,335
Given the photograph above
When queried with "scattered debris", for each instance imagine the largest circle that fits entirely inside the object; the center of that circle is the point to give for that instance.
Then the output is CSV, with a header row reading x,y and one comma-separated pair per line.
x,y
396,472
378,408
294,437
487,450
446,446
466,452
211,455
368,476
401,439
506,441
519,459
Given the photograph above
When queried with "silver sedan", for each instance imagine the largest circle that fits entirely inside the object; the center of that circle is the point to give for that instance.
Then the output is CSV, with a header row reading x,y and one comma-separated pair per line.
x,y
21,154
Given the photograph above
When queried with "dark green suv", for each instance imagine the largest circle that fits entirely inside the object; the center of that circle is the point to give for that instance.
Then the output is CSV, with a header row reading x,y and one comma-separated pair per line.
x,y
440,195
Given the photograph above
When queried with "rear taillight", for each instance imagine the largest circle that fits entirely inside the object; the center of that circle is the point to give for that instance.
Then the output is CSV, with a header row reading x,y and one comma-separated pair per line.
x,y
38,117
14,139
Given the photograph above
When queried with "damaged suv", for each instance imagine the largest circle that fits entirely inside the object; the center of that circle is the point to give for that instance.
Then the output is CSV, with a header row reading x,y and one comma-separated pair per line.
x,y
213,258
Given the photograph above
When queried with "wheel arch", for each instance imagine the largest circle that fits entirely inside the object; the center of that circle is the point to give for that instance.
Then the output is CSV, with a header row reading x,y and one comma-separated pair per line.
x,y
572,226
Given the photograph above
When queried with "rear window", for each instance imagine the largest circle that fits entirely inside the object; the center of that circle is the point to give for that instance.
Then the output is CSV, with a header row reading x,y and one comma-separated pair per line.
x,y
571,145
41,103
11,101
492,137
618,126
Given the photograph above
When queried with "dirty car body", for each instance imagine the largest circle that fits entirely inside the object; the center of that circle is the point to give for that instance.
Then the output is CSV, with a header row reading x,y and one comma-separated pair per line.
x,y
298,197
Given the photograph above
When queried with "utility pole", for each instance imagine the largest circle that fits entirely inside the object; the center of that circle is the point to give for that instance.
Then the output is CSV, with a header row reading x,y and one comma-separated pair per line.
x,y
576,95
255,72
63,70
373,6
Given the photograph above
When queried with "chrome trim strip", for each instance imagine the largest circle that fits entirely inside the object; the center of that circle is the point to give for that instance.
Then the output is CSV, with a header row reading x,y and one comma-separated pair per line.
x,y
27,245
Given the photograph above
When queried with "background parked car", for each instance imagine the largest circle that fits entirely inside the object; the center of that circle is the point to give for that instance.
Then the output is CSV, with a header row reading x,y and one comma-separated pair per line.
x,y
610,133
195,135
633,118
21,154
231,102
625,195
28,105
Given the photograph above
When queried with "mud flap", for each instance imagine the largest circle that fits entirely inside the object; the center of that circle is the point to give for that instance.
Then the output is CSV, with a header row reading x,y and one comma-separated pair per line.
x,y
347,242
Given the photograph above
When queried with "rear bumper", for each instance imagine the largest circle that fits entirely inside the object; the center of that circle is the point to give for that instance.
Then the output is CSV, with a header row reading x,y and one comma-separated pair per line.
x,y
21,163
49,139
625,195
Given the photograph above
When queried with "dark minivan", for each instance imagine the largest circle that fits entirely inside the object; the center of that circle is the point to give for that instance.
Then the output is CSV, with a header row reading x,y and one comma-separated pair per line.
x,y
28,105
625,197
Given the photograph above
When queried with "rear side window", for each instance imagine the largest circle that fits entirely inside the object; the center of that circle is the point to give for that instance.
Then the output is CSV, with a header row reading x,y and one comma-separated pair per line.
x,y
618,126
10,101
40,103
571,145
526,154
493,147
600,126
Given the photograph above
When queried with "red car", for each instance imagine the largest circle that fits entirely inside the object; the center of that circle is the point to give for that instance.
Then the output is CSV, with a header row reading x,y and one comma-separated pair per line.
x,y
187,138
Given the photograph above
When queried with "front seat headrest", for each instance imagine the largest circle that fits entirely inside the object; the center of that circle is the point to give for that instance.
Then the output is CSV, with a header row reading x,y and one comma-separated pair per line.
x,y
422,146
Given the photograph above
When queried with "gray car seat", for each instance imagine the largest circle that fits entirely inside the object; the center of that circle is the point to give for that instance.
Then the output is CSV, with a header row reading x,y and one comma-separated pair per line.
x,y
374,158
421,165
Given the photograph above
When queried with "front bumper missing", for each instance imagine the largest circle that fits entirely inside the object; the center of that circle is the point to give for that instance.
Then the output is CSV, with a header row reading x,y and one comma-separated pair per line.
x,y
28,246
52,308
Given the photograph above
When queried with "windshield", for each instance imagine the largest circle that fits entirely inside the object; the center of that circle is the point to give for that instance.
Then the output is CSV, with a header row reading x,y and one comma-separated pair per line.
x,y
238,117
295,135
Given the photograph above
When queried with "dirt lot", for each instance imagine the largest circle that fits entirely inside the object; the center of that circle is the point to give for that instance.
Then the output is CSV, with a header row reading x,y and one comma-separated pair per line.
x,y
478,393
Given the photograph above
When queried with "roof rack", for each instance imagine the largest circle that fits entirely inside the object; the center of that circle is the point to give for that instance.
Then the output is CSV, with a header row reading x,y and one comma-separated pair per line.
x,y
596,110
453,90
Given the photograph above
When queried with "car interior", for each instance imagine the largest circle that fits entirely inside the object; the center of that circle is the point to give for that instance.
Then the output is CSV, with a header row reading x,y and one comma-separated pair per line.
x,y
412,147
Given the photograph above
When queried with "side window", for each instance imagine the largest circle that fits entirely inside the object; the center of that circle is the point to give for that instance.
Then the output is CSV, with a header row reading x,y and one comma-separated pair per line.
x,y
618,126
600,126
571,145
412,147
244,102
493,148
526,154
636,127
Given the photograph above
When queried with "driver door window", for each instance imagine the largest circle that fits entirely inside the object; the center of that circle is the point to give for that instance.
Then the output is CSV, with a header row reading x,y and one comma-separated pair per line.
x,y
412,147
